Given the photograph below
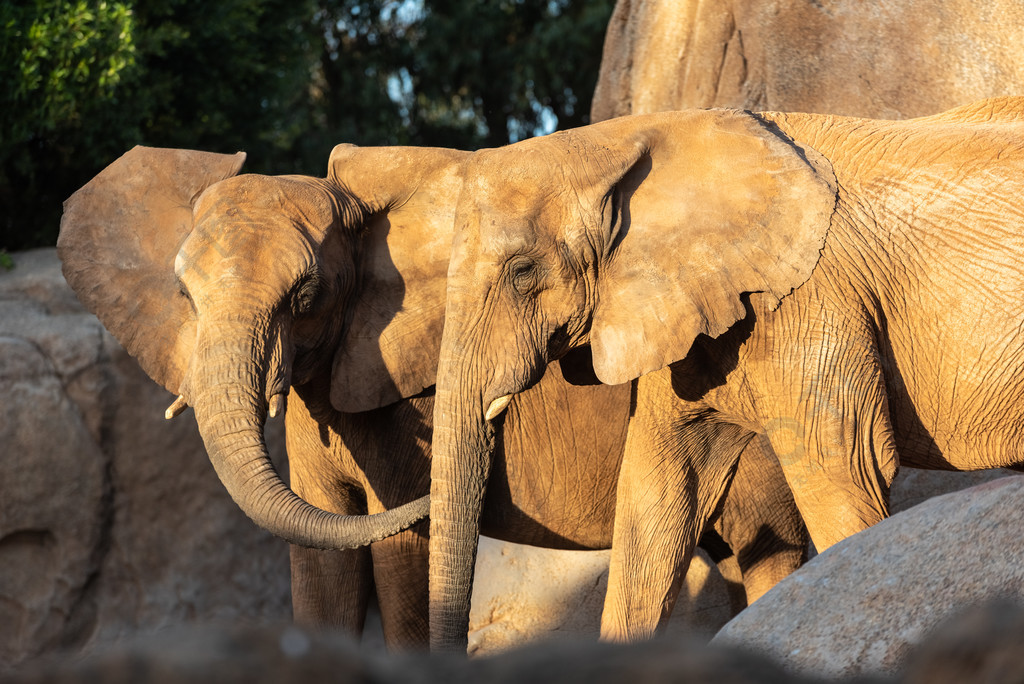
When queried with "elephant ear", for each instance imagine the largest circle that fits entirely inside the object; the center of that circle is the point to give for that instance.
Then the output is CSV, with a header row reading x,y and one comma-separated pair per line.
x,y
391,347
119,236
705,206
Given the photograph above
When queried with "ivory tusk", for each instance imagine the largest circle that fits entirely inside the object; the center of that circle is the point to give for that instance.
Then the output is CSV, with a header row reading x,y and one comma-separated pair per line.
x,y
277,405
497,406
176,408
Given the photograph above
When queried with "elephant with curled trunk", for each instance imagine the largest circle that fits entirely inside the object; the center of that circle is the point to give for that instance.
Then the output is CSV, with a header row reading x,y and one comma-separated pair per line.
x,y
848,289
323,299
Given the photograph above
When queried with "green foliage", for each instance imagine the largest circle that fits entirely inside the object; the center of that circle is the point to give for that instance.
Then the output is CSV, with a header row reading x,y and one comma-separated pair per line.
x,y
284,80
61,63
58,57
506,64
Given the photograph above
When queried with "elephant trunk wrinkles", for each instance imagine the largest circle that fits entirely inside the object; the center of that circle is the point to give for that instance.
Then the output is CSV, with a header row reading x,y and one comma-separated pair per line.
x,y
463,451
230,412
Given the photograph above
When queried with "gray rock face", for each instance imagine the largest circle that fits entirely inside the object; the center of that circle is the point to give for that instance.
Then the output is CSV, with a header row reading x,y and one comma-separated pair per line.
x,y
892,60
112,520
524,594
860,607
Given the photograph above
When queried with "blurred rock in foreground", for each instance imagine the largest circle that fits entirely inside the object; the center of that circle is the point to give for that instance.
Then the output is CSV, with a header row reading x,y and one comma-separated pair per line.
x,y
981,645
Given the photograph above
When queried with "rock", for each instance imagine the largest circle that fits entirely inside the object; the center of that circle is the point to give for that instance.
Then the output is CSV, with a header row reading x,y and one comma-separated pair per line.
x,y
112,520
523,594
859,607
54,485
913,486
889,59
981,644
281,654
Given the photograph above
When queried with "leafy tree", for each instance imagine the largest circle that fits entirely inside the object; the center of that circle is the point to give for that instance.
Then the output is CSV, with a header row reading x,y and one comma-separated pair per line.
x,y
285,80
88,80
510,64
459,73
61,64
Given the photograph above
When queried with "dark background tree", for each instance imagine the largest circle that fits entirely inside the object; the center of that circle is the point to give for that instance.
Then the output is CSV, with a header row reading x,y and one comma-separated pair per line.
x,y
284,80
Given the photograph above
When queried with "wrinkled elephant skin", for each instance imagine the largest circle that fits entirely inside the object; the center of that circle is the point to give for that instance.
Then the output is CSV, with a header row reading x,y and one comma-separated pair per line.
x,y
847,289
323,299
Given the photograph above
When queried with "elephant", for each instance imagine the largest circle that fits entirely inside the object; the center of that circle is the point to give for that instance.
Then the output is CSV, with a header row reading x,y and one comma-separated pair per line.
x,y
846,288
322,299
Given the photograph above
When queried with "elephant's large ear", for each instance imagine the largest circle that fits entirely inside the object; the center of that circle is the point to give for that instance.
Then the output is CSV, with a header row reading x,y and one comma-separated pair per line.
x,y
391,349
710,205
118,239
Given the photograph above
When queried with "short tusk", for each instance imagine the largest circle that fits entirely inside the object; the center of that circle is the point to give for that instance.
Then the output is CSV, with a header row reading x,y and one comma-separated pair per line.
x,y
497,406
277,405
176,408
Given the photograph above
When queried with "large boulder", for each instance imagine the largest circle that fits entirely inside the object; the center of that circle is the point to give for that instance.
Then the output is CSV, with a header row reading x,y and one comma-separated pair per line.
x,y
883,59
862,605
524,594
112,520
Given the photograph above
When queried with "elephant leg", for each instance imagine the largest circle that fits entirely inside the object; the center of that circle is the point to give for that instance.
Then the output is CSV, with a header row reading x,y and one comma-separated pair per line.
x,y
722,556
676,467
400,570
838,453
760,522
331,589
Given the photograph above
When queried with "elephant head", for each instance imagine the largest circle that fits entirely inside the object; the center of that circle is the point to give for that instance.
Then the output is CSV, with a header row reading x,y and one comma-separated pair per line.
x,y
231,290
634,235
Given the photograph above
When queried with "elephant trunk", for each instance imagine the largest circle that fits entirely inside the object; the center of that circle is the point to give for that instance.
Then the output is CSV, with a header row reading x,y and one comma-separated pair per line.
x,y
460,464
231,411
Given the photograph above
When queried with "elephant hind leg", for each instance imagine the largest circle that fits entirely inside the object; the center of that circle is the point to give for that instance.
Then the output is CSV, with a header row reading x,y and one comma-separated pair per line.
x,y
725,560
760,522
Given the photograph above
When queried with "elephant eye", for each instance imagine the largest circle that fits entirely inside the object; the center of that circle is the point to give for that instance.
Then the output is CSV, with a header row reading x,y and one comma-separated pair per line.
x,y
306,295
183,291
524,274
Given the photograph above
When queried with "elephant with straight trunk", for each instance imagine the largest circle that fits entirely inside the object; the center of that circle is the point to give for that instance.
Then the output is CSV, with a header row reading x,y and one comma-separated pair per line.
x,y
322,299
847,289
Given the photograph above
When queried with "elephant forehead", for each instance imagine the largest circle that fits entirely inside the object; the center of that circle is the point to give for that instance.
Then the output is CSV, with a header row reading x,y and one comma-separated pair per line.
x,y
520,221
270,201
519,178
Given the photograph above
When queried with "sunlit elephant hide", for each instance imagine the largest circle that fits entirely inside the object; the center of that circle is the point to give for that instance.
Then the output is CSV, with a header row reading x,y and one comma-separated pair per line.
x,y
848,289
322,299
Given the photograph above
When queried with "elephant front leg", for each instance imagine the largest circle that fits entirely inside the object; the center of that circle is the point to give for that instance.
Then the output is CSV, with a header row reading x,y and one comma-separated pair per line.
x,y
676,467
838,453
400,570
331,589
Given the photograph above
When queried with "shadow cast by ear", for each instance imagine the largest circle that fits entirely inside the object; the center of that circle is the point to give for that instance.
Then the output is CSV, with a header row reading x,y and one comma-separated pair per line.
x,y
706,365
710,360
578,366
